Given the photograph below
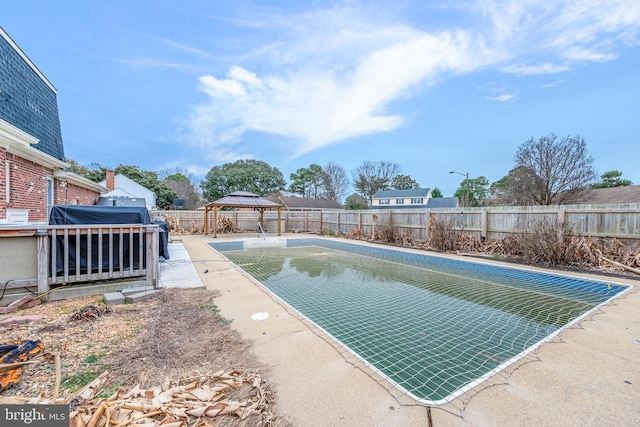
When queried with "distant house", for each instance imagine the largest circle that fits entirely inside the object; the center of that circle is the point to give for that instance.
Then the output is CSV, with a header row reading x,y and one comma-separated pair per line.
x,y
124,191
401,199
295,203
612,195
411,199
34,175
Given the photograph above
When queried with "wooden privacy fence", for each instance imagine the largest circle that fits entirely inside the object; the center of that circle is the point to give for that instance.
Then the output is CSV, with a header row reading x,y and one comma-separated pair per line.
x,y
620,221
67,254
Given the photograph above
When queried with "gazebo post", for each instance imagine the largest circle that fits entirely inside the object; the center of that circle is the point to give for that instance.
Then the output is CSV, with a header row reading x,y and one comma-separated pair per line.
x,y
206,220
215,222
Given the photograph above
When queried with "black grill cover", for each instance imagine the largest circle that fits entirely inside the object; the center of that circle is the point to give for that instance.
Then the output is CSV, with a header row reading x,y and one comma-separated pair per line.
x,y
80,215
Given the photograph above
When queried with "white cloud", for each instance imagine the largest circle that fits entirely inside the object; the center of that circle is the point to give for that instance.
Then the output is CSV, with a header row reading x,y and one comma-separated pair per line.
x,y
330,75
545,68
502,98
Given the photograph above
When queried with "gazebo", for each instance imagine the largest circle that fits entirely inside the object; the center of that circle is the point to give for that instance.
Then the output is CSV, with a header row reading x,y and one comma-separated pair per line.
x,y
239,199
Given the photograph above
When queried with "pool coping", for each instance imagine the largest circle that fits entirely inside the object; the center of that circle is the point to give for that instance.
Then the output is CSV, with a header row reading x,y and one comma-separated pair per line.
x,y
396,401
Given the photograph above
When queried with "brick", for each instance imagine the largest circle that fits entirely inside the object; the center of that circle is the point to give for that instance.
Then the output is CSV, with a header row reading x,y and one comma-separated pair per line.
x,y
19,302
18,320
31,303
7,310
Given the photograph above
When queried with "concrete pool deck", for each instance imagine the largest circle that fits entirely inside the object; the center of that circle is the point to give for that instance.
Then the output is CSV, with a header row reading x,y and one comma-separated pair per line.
x,y
587,376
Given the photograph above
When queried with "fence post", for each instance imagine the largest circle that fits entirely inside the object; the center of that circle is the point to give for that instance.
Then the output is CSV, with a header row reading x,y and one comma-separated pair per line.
x,y
426,234
561,220
484,227
43,263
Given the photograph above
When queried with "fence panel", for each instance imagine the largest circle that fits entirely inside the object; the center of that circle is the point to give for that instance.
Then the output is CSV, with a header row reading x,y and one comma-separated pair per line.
x,y
620,221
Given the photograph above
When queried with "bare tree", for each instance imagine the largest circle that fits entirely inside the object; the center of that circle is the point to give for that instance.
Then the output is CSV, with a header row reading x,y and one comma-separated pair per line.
x,y
370,177
562,168
516,188
335,181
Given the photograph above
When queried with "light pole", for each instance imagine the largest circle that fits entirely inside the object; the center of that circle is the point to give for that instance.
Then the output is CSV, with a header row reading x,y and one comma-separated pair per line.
x,y
466,183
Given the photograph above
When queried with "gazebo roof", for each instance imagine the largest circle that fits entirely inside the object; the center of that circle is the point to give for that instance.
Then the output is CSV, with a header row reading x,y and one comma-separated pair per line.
x,y
239,199
243,199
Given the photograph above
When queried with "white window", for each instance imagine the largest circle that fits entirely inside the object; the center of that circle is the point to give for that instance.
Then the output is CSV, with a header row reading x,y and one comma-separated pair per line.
x,y
416,201
384,201
399,201
50,198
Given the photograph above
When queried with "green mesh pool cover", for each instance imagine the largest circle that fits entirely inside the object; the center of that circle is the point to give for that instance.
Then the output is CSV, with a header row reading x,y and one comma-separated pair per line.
x,y
434,327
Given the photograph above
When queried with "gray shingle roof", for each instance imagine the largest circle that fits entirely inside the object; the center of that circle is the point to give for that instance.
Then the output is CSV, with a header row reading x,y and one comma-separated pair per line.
x,y
624,194
291,202
442,202
390,194
244,199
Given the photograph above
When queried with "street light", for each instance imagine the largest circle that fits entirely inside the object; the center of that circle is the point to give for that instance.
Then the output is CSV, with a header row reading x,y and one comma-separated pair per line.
x,y
466,182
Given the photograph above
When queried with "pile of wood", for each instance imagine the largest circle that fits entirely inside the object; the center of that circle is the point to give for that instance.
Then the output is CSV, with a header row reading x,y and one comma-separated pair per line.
x,y
356,234
196,228
90,312
174,226
406,239
624,254
195,403
226,225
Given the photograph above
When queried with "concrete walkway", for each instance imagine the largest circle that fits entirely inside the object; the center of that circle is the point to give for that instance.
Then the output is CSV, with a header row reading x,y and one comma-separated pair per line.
x,y
178,271
587,376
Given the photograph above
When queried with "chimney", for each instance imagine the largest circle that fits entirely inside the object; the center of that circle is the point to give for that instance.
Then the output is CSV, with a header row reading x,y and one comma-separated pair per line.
x,y
111,180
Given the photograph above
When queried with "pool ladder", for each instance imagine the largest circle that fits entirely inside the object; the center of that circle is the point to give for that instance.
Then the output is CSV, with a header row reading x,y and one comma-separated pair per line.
x,y
261,231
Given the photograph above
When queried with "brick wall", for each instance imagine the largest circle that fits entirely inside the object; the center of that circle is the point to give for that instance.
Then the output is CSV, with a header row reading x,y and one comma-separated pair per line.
x,y
70,194
28,187
3,181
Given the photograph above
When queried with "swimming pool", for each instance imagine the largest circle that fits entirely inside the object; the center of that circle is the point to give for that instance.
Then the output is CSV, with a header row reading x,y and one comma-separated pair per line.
x,y
433,326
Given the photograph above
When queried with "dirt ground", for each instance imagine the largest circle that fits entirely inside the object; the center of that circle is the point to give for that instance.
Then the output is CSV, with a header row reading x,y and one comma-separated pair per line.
x,y
176,337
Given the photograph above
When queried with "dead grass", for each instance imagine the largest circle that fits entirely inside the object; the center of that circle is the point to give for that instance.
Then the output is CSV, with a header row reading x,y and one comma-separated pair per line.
x,y
177,336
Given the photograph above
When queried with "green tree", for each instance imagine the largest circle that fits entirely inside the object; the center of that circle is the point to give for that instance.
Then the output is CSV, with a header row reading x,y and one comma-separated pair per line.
x,y
514,189
370,177
180,182
473,191
612,179
308,182
95,172
254,176
562,168
436,193
404,182
356,202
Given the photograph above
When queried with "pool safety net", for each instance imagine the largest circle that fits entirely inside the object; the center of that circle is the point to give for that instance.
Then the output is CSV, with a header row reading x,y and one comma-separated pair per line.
x,y
434,327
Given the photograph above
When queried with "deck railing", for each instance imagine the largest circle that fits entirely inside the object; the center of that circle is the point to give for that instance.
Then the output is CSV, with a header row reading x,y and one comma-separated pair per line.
x,y
69,254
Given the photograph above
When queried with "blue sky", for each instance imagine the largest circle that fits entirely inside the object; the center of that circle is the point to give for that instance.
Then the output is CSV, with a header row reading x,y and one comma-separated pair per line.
x,y
434,86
